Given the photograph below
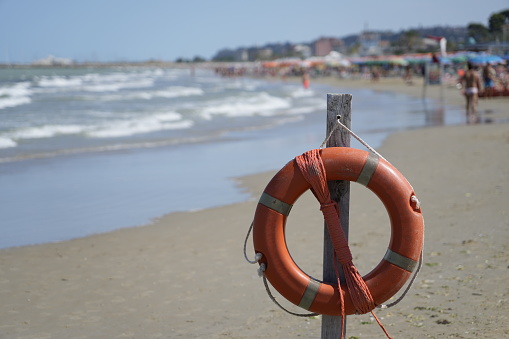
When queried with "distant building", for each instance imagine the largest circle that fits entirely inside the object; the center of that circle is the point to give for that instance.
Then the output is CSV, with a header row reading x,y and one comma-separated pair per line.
x,y
242,55
51,60
370,43
303,50
324,46
265,54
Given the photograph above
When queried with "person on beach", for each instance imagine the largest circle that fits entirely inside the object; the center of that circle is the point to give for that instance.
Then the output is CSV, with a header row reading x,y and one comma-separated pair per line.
x,y
407,77
489,77
305,79
375,74
471,83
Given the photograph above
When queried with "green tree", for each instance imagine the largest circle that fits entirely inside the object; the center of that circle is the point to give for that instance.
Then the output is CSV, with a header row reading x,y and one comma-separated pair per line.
x,y
354,49
478,31
496,22
199,59
409,40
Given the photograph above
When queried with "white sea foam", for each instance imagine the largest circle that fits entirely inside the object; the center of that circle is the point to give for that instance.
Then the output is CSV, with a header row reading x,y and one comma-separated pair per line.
x,y
7,143
94,82
59,81
146,124
116,86
239,84
178,91
301,93
12,102
18,94
257,104
130,124
170,92
46,131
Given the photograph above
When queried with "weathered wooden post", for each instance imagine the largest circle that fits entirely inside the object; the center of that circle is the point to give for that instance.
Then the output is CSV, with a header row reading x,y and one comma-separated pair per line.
x,y
337,105
425,82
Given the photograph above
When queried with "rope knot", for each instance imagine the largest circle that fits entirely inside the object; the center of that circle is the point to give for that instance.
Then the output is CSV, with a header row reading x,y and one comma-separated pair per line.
x,y
326,206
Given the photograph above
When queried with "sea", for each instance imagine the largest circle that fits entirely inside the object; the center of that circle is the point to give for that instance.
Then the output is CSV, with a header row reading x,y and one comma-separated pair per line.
x,y
90,150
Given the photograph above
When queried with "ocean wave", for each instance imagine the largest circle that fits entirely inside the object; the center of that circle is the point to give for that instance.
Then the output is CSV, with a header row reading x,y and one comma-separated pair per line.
x,y
178,91
7,143
170,92
131,124
300,92
147,124
116,86
235,84
13,102
248,105
46,131
59,82
18,94
94,82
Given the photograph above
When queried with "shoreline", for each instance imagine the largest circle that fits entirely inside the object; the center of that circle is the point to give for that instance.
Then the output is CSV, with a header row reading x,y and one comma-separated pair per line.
x,y
184,275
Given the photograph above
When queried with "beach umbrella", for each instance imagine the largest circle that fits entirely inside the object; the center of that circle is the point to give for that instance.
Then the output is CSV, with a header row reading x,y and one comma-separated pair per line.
x,y
482,59
445,60
287,62
397,61
270,64
417,58
344,63
357,60
460,56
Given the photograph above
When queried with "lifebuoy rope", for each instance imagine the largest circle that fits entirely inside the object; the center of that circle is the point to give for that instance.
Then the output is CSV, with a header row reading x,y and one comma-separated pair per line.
x,y
261,273
352,133
312,168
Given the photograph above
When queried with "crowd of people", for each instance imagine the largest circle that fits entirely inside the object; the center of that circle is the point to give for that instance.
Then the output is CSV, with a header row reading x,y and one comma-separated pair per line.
x,y
475,81
495,77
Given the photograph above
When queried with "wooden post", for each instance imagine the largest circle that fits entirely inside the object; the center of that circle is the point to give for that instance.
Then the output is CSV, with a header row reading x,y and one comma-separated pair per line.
x,y
425,82
442,72
337,104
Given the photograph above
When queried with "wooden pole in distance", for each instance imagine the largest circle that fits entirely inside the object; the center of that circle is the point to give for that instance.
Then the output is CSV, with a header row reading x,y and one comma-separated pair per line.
x,y
337,104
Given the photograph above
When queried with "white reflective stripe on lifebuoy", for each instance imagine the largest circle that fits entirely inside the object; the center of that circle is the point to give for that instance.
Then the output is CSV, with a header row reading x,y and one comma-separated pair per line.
x,y
401,261
309,294
275,204
368,169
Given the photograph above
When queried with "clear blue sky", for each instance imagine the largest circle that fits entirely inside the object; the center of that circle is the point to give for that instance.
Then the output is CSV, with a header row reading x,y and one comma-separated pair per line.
x,y
136,30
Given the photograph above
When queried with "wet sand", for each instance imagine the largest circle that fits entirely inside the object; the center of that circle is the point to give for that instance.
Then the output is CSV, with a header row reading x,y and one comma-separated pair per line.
x,y
184,275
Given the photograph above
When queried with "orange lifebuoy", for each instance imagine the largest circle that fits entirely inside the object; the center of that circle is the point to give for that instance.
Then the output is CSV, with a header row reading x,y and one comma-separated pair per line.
x,y
340,163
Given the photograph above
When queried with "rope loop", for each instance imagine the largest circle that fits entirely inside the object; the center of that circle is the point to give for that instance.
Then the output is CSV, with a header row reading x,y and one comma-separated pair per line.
x,y
258,256
365,144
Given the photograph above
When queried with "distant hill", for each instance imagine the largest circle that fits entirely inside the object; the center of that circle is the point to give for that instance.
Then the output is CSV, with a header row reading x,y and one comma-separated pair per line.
x,y
395,43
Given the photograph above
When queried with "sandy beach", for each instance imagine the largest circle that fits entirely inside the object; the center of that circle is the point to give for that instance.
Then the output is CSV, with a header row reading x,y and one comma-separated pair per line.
x,y
184,275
